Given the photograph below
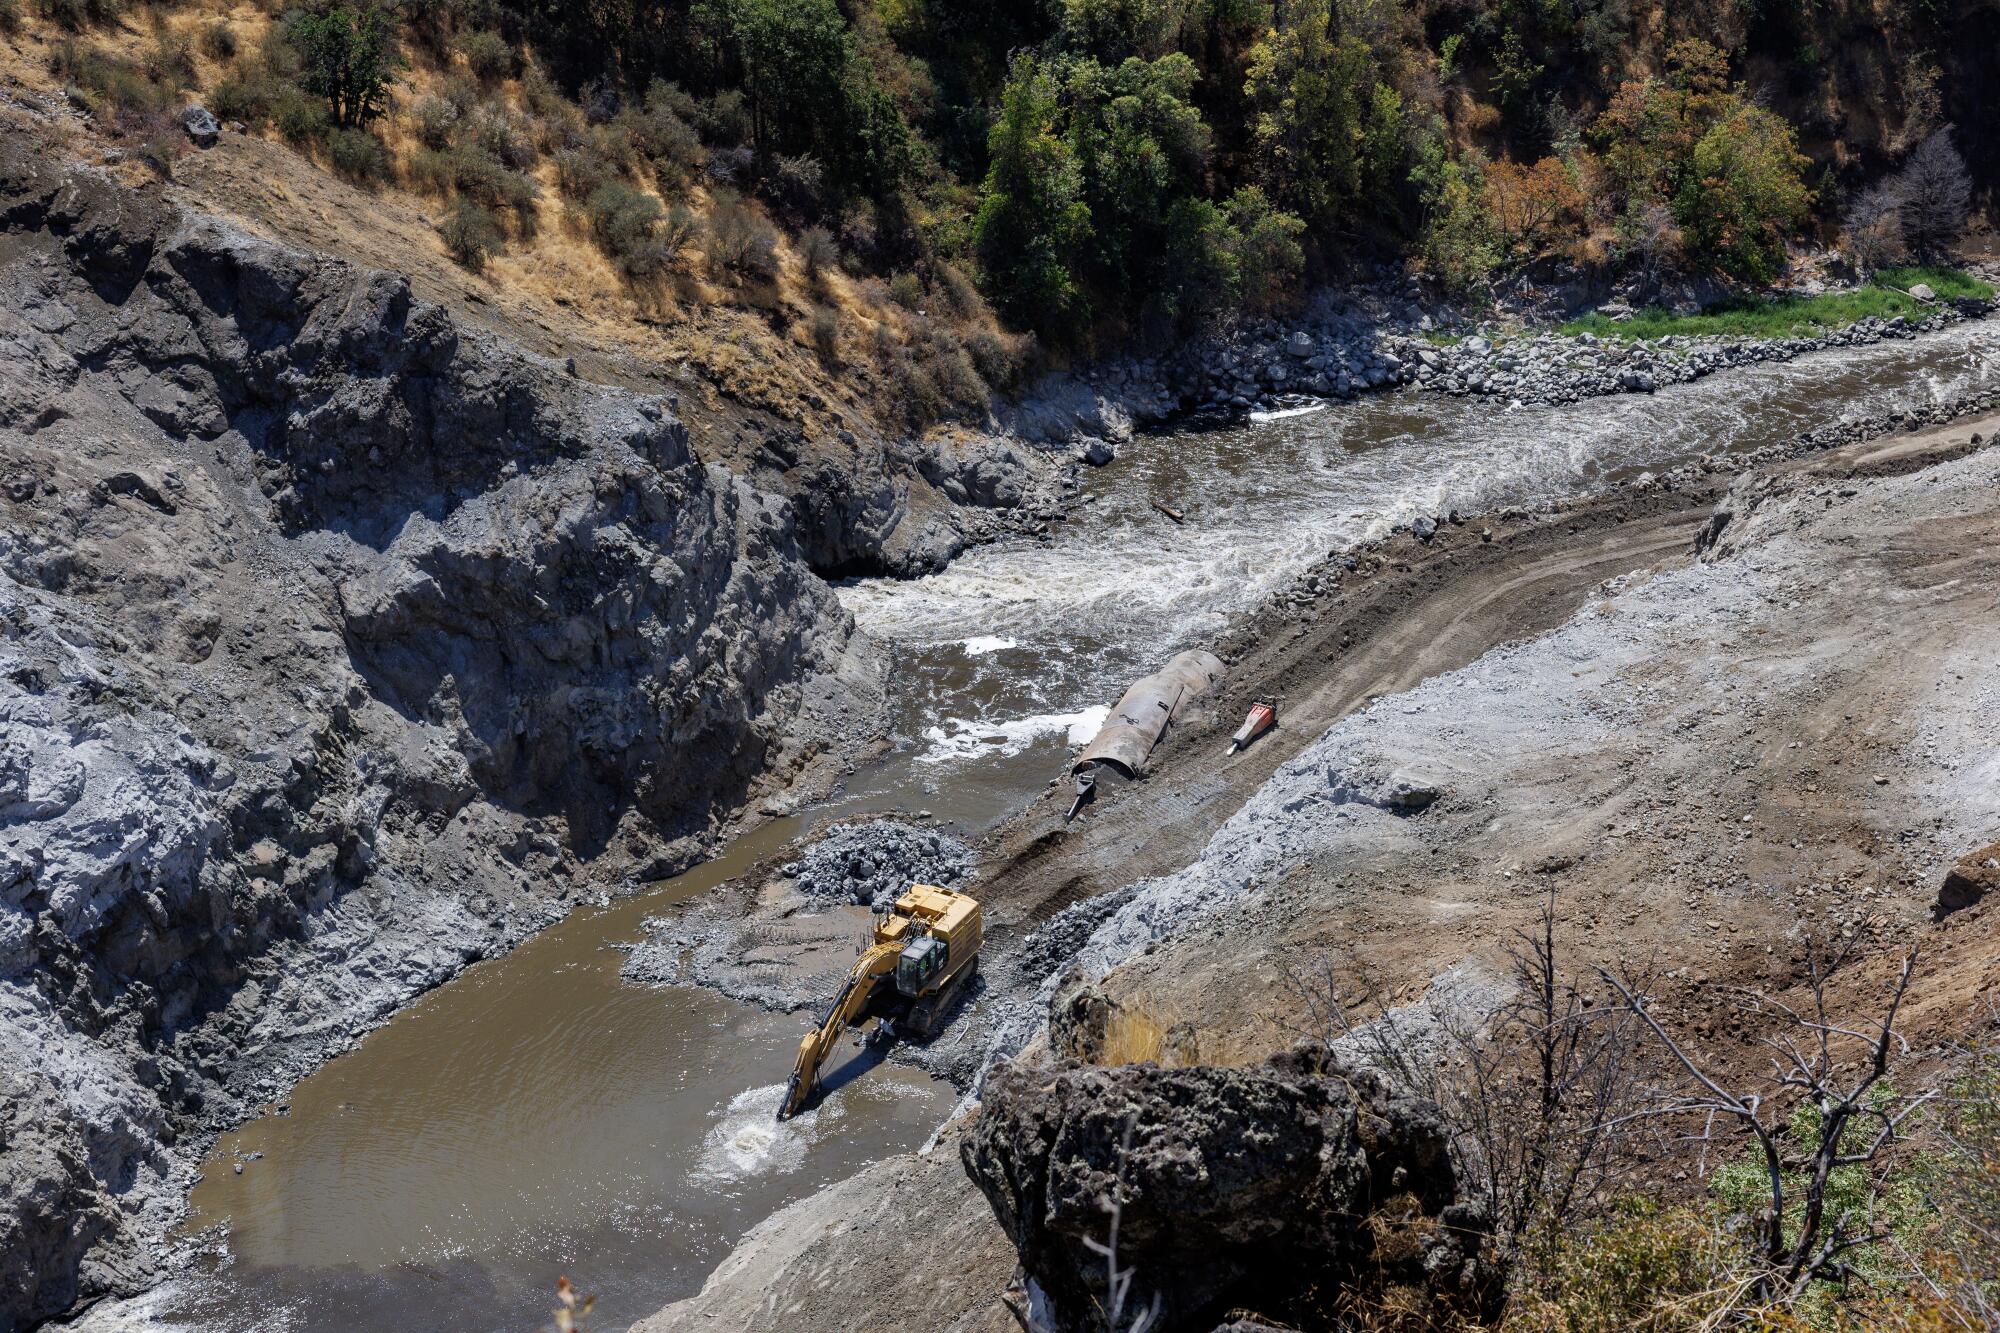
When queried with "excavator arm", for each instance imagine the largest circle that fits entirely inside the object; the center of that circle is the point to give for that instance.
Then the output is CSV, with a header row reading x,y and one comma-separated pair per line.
x,y
848,1004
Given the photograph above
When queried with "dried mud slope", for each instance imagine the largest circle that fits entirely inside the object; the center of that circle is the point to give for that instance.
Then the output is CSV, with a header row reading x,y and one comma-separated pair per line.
x,y
339,645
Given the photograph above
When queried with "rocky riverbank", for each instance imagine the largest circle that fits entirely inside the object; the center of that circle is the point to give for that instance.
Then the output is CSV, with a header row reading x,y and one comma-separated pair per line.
x,y
1352,343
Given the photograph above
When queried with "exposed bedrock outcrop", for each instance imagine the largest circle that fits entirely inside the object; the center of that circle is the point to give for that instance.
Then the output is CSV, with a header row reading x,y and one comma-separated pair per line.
x,y
339,645
1285,1190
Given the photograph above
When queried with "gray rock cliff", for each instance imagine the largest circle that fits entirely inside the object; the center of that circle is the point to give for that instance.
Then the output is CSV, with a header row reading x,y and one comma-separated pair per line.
x,y
339,646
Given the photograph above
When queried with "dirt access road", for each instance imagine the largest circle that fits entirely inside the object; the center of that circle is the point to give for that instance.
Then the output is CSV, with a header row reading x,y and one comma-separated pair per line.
x,y
1409,611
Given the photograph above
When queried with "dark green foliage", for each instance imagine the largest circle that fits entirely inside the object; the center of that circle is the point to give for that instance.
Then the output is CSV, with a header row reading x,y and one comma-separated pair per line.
x,y
299,118
76,15
218,40
1032,222
724,119
806,88
488,56
358,155
1098,197
1265,242
471,234
346,56
10,16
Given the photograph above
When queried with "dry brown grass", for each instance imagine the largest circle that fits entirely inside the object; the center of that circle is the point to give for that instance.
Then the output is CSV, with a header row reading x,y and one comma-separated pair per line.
x,y
751,339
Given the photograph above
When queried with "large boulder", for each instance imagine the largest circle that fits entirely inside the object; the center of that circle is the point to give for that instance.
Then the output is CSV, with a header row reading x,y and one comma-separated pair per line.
x,y
1976,875
1292,1190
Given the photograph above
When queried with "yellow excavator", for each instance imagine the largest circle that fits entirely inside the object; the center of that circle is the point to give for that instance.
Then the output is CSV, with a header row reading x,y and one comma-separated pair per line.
x,y
930,943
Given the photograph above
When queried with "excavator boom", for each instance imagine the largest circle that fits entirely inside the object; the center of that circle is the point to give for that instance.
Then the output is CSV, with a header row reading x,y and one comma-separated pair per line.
x,y
848,1004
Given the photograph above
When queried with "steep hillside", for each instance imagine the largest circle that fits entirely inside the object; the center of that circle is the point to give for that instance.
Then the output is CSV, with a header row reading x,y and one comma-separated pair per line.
x,y
343,644
799,192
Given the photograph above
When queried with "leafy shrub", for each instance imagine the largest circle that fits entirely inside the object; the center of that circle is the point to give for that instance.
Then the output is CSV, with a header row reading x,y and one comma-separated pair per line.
x,y
76,15
1530,204
906,289
299,118
243,95
657,133
582,171
434,122
358,155
429,170
724,119
993,359
488,56
955,292
740,241
218,39
1648,1267
1747,191
797,185
670,95
499,134
463,93
824,329
626,223
1729,171
471,234
10,17
679,231
818,252
478,173
1264,241
539,92
601,100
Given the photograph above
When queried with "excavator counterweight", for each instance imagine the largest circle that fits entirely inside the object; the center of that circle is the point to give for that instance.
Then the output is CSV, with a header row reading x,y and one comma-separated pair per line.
x,y
929,945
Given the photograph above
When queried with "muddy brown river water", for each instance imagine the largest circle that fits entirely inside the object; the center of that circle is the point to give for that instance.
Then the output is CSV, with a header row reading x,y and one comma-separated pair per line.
x,y
538,1116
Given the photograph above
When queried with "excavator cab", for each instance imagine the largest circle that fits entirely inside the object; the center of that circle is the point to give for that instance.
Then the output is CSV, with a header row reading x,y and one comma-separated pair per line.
x,y
920,962
930,943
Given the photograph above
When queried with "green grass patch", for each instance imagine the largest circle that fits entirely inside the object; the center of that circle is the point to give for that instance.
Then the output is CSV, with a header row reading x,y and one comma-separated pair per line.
x,y
1948,283
1783,317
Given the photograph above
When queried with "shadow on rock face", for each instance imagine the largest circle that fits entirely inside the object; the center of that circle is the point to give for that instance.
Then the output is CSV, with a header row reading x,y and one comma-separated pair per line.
x,y
1296,1191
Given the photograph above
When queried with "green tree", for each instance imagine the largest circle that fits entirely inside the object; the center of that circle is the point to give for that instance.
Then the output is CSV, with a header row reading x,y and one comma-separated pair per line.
x,y
346,56
808,89
1032,218
1264,240
1744,193
1729,172
1328,135
1141,147
1202,270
